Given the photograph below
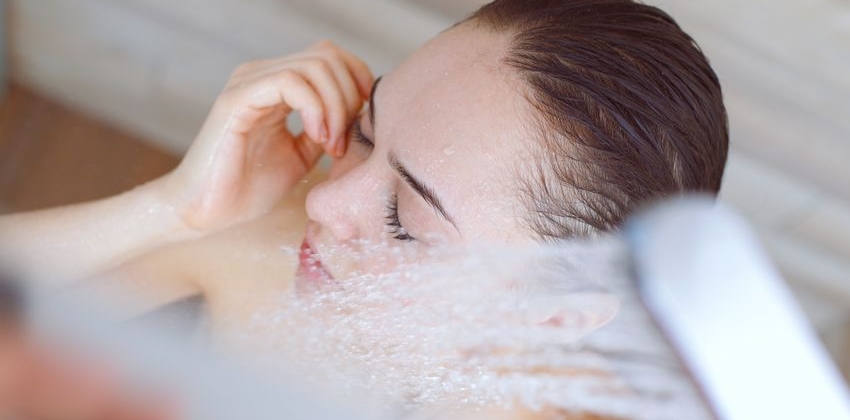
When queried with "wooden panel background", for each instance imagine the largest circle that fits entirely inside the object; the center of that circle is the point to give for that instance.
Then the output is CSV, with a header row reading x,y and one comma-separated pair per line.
x,y
51,155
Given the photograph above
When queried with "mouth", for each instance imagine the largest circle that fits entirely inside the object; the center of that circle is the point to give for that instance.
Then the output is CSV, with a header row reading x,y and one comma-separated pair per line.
x,y
311,272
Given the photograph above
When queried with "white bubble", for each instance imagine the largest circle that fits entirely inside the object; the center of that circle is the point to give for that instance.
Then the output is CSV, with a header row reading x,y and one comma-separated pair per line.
x,y
482,326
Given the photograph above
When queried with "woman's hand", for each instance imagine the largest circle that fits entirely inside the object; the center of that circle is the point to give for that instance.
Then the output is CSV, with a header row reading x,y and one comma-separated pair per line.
x,y
242,163
245,158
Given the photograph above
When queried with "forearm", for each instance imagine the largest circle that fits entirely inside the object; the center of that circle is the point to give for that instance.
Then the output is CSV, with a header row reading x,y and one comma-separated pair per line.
x,y
77,241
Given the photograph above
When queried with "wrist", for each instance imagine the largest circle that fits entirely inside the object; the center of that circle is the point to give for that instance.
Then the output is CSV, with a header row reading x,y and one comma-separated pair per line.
x,y
160,206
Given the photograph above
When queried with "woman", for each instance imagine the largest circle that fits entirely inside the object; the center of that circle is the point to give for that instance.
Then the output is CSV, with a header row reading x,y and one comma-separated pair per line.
x,y
530,121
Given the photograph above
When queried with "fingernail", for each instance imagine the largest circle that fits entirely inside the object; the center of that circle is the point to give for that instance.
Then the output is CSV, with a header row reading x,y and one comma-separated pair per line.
x,y
323,133
340,147
334,148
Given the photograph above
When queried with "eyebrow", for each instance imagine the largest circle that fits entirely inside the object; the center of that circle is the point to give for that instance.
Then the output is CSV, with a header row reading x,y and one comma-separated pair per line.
x,y
427,193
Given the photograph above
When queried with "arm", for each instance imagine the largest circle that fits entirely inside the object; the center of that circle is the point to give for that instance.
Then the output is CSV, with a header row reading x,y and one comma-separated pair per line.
x,y
223,267
143,284
76,241
243,162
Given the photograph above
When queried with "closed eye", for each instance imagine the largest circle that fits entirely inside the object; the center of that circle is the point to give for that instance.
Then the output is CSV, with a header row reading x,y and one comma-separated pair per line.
x,y
358,136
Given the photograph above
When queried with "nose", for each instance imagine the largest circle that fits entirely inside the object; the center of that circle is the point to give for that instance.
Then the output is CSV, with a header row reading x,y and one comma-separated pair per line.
x,y
342,204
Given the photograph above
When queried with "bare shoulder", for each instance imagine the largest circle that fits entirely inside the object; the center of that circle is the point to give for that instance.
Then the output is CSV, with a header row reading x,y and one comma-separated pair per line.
x,y
262,247
256,249
221,267
250,266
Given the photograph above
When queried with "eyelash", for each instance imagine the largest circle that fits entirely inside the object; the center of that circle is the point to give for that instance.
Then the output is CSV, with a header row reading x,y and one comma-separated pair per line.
x,y
394,226
358,136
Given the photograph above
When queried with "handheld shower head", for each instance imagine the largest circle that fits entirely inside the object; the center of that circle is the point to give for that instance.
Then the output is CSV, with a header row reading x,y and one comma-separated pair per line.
x,y
726,312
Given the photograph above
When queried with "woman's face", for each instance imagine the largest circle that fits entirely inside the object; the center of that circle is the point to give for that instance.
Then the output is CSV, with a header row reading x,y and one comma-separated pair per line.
x,y
433,158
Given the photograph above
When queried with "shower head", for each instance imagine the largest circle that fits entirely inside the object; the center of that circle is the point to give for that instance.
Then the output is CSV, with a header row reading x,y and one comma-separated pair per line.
x,y
725,311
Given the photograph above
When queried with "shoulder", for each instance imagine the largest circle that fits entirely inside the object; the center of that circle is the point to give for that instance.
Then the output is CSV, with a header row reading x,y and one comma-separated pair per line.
x,y
256,249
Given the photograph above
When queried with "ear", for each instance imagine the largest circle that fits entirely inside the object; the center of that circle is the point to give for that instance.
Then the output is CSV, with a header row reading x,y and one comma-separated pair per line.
x,y
576,313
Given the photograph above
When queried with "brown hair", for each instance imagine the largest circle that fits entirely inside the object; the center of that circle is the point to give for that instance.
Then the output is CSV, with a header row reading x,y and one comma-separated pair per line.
x,y
630,109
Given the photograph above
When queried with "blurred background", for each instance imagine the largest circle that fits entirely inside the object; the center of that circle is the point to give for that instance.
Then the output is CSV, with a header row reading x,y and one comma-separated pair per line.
x,y
101,95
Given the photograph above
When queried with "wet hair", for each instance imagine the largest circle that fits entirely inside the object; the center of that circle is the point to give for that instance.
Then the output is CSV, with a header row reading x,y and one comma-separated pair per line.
x,y
629,110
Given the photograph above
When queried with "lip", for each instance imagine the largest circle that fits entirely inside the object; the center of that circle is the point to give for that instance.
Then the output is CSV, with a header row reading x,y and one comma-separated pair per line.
x,y
311,271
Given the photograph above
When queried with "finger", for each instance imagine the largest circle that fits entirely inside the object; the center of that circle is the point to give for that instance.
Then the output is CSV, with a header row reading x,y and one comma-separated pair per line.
x,y
357,67
259,68
319,74
345,66
286,87
328,74
345,79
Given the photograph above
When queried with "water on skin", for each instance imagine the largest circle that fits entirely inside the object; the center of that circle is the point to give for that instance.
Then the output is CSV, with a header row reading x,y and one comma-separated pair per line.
x,y
558,327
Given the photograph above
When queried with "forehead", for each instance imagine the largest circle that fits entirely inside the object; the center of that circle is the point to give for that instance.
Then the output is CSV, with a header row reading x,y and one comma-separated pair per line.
x,y
455,115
